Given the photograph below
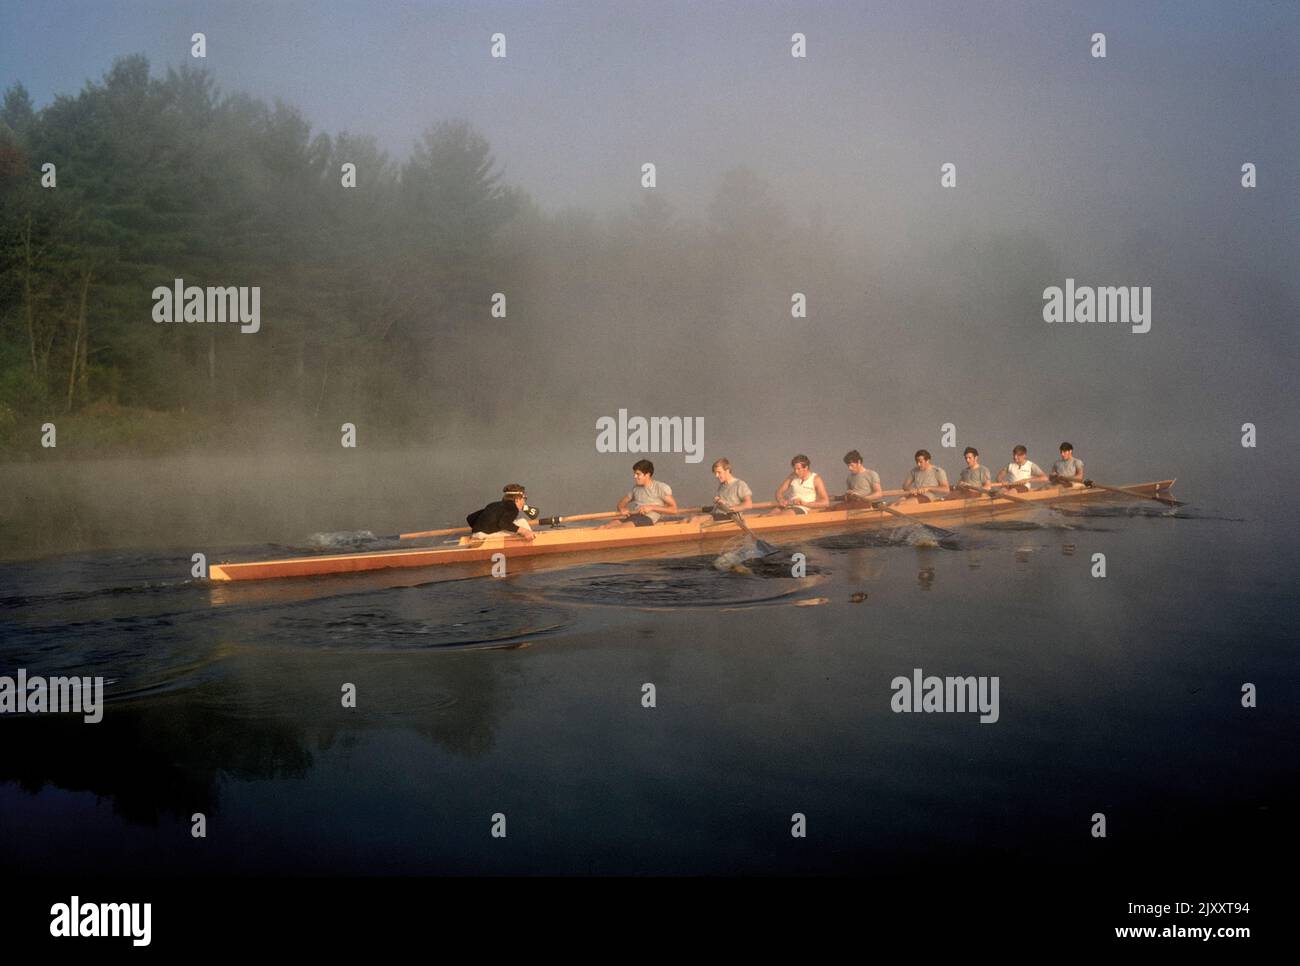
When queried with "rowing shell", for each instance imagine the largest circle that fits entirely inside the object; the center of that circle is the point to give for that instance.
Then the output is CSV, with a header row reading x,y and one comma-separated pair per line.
x,y
561,541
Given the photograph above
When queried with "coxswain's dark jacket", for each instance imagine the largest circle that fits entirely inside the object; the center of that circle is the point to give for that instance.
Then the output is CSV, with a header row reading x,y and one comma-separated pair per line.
x,y
498,517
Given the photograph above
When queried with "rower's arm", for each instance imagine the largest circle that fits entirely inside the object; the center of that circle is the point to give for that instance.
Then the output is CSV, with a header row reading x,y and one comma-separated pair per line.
x,y
782,488
823,498
622,504
670,503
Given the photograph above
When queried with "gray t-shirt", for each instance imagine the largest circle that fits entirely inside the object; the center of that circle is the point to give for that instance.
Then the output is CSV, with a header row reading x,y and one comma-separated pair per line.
x,y
934,476
651,495
864,483
978,476
1068,467
734,493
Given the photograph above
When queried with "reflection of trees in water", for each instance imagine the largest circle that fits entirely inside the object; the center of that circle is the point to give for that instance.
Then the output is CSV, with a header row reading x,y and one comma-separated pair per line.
x,y
470,729
165,756
450,699
155,758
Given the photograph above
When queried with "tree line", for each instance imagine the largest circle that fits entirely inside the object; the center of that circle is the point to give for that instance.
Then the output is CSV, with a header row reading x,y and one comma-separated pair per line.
x,y
375,299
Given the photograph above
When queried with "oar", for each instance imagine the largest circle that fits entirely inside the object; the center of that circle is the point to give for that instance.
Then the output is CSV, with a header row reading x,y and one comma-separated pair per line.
x,y
547,521
557,520
579,518
1003,494
1166,500
911,519
1006,494
764,547
865,501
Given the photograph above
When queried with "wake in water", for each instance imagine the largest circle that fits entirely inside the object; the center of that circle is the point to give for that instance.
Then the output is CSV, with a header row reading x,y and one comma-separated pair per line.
x,y
342,540
738,558
1150,511
906,535
1046,521
688,582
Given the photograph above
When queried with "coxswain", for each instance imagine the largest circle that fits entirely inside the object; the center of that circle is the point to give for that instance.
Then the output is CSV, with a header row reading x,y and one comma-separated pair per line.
x,y
510,514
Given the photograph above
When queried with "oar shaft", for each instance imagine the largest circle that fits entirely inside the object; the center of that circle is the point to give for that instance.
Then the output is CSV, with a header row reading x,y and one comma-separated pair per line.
x,y
897,513
1005,495
1145,496
608,515
1002,494
740,521
575,518
912,519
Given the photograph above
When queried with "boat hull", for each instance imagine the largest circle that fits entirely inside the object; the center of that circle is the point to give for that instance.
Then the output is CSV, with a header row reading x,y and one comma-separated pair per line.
x,y
564,541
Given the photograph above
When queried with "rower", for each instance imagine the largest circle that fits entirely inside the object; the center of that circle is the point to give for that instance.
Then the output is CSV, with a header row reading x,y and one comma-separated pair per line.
x,y
1021,471
974,477
510,514
863,485
1067,471
733,494
926,481
647,500
805,489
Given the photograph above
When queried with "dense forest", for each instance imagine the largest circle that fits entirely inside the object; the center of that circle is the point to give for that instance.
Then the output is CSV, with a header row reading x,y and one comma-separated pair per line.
x,y
376,300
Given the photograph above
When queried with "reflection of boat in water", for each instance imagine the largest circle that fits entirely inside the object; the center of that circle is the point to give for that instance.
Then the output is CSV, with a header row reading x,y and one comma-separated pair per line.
x,y
561,540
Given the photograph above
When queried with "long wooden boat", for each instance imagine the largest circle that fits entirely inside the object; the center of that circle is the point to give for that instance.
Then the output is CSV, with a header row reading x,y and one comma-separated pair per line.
x,y
561,540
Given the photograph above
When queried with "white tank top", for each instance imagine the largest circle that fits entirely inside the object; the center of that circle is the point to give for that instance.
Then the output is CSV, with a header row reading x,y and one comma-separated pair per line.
x,y
803,490
1019,473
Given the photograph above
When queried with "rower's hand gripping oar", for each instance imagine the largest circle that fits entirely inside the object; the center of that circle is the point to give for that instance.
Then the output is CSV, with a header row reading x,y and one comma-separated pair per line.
x,y
992,495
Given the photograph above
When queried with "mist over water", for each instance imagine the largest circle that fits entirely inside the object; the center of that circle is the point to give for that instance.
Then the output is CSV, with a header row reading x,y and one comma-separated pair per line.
x,y
776,176
224,506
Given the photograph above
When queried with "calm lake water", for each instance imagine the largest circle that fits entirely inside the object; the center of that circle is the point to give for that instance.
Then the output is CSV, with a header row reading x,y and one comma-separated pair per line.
x,y
523,696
